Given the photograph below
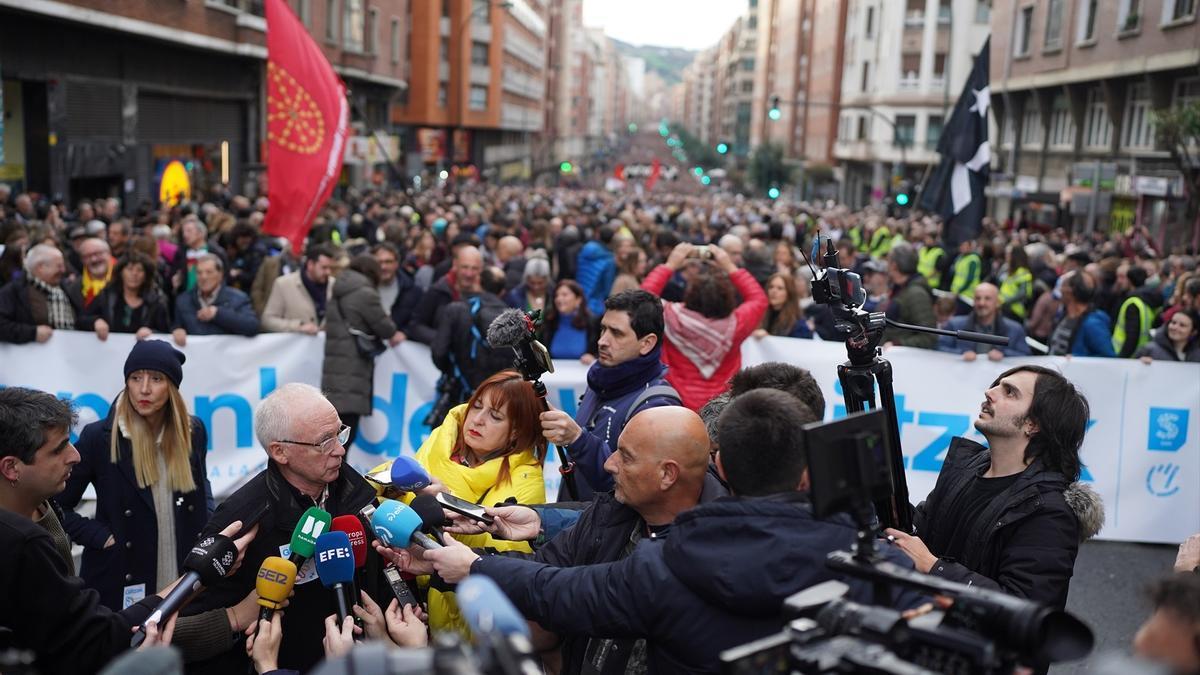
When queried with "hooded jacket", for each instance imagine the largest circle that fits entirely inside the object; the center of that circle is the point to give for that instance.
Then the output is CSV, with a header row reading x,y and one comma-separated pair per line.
x,y
718,581
1025,541
1093,335
347,377
595,272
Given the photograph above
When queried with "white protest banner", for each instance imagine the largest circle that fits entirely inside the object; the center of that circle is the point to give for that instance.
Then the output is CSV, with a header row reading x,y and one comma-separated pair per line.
x,y
1141,452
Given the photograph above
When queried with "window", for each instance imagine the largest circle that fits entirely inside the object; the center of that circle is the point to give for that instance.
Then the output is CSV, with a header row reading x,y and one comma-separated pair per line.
x,y
371,39
747,86
748,65
910,67
304,12
479,53
1054,17
1008,134
1024,26
1087,20
1187,91
870,29
479,97
446,9
983,11
933,131
863,129
944,11
352,27
1129,16
914,13
906,130
444,51
1097,129
395,40
443,95
939,66
331,20
1139,128
1062,126
866,74
1031,126
482,9
1178,10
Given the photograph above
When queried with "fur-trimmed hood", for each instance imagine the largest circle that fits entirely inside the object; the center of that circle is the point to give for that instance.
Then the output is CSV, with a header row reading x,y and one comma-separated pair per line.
x,y
1088,507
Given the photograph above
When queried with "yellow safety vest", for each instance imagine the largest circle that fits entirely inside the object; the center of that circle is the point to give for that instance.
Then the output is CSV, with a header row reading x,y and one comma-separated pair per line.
x,y
1145,316
1015,291
965,281
881,242
927,265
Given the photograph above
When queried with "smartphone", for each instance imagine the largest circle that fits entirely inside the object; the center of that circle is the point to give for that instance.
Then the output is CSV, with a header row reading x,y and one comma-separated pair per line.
x,y
463,507
257,515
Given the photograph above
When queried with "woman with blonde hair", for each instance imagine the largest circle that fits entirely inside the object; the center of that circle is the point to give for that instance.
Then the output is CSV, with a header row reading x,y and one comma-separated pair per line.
x,y
146,460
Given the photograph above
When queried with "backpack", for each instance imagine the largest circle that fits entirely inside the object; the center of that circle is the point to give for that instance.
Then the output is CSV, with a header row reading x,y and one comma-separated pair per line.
x,y
482,360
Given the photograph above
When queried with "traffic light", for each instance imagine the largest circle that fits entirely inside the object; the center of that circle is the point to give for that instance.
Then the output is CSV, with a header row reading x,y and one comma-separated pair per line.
x,y
773,193
902,199
705,180
632,128
699,171
903,193
722,148
565,167
775,113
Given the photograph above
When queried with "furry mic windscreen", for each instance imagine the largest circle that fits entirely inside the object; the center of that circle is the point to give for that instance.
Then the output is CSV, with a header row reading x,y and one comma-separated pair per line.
x,y
509,329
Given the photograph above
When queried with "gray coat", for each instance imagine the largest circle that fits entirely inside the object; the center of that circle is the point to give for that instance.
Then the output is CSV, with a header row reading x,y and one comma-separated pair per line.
x,y
346,376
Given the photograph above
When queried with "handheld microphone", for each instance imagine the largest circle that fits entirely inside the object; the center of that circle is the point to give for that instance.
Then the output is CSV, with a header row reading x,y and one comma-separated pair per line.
x,y
335,567
514,328
396,524
408,475
207,563
433,518
496,623
308,530
276,577
358,545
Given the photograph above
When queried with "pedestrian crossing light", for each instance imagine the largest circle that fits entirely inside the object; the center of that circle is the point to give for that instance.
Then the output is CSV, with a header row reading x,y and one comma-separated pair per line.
x,y
699,171
722,148
775,113
565,167
773,193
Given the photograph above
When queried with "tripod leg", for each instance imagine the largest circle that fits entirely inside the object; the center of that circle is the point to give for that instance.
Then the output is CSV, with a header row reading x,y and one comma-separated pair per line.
x,y
897,509
858,388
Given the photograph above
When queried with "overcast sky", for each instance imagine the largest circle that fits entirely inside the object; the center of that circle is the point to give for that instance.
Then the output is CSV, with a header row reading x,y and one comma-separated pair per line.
x,y
691,24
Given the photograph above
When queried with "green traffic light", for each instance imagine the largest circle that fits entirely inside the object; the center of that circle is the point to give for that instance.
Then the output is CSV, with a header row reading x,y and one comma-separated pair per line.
x,y
698,171
773,193
705,180
565,167
632,128
902,199
775,113
722,148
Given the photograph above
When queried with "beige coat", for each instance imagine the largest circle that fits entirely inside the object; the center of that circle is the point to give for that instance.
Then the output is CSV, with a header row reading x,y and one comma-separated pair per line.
x,y
290,305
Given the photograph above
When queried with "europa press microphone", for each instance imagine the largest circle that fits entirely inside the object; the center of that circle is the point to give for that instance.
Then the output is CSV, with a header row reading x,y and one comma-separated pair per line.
x,y
304,537
274,583
335,568
209,560
496,623
358,546
398,525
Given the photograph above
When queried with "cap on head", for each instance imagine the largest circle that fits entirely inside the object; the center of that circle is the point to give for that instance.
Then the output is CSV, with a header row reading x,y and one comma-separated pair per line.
x,y
158,356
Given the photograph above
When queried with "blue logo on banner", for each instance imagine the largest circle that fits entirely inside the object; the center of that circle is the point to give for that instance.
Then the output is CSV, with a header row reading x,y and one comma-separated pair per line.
x,y
1168,429
1160,481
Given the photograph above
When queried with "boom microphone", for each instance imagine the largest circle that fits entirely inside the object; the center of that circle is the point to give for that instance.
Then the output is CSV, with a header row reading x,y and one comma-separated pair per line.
x,y
497,623
396,524
304,537
276,577
335,568
514,328
209,560
433,518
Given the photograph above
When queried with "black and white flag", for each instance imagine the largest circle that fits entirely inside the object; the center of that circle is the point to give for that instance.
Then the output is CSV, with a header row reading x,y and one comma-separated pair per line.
x,y
956,188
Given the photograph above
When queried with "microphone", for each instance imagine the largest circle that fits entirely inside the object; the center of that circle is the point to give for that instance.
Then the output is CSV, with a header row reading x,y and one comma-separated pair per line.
x,y
497,624
433,518
396,524
335,567
514,328
276,577
304,537
358,545
207,563
408,475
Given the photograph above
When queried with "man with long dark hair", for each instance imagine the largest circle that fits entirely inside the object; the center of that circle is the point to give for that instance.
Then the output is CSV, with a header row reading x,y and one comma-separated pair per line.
x,y
1011,516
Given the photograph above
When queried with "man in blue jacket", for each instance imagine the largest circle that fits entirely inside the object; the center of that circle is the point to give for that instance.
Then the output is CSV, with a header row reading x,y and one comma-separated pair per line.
x,y
629,376
721,578
985,317
1084,329
596,268
212,308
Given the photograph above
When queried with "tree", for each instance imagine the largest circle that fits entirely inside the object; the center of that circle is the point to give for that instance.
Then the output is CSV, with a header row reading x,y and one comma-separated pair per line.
x,y
767,167
1178,130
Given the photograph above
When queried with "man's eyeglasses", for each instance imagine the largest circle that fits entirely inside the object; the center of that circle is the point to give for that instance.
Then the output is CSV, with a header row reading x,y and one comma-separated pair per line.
x,y
327,446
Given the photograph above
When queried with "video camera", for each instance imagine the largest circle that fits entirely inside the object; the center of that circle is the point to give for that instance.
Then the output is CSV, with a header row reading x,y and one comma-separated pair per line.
x,y
982,631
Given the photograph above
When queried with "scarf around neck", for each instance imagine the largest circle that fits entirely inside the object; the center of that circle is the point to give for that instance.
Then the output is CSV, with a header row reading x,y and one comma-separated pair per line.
x,y
611,382
704,341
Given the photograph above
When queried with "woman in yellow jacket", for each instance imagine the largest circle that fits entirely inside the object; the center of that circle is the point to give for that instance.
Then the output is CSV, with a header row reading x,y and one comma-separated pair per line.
x,y
489,450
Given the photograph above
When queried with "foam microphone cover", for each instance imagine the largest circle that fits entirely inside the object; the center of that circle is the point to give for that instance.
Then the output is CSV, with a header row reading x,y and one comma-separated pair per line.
x,y
335,559
274,583
357,535
310,526
408,475
430,511
394,523
211,558
509,329
487,610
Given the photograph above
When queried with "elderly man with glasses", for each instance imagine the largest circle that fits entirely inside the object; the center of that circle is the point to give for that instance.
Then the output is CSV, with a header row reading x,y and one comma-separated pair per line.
x,y
304,440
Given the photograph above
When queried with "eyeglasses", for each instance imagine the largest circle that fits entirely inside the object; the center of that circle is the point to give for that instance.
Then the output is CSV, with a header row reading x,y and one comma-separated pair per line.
x,y
326,446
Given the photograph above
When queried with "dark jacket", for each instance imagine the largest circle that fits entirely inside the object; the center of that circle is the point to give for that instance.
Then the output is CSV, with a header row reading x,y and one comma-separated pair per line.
x,y
49,612
422,327
595,271
110,306
407,299
347,376
1161,349
234,316
717,581
912,303
460,348
602,412
126,512
1025,542
518,298
1004,327
21,312
304,619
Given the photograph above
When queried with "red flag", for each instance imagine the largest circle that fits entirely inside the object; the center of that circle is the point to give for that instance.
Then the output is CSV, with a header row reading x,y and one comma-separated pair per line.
x,y
655,170
619,172
307,118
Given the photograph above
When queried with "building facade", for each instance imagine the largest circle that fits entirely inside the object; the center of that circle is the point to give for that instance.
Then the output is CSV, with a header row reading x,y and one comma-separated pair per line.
x,y
1074,86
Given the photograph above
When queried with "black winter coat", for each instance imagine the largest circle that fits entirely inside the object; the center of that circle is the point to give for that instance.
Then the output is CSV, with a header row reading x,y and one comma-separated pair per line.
x,y
304,618
126,512
422,327
18,325
348,377
49,612
717,581
1024,543
456,349
110,306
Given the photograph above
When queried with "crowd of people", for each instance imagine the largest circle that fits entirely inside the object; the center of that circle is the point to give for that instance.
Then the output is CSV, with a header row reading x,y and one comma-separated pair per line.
x,y
683,520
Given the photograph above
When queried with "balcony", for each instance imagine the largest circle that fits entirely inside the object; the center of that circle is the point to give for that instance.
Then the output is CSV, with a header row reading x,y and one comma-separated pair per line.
x,y
909,82
444,71
481,32
914,19
444,26
480,74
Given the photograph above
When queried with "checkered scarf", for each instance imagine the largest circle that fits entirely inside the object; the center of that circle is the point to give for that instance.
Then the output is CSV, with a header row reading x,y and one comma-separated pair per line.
x,y
61,316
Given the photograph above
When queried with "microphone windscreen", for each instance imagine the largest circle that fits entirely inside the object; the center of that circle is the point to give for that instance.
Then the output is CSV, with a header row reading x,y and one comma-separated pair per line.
x,y
430,511
311,525
211,558
275,579
358,537
161,660
394,523
487,610
334,558
408,475
509,329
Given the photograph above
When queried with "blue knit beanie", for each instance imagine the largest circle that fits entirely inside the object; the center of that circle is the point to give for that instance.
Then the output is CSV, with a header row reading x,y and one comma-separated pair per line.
x,y
158,356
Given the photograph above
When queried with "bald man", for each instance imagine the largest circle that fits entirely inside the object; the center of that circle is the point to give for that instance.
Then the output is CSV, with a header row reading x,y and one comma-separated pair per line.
x,y
510,257
659,471
985,317
461,280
